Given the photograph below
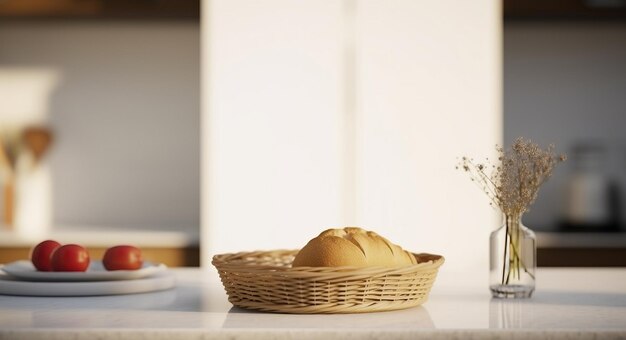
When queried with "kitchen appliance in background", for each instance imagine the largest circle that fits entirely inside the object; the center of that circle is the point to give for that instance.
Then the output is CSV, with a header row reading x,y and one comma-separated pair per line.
x,y
591,195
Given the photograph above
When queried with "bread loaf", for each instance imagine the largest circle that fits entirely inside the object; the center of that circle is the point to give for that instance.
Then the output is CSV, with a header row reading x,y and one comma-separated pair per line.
x,y
352,246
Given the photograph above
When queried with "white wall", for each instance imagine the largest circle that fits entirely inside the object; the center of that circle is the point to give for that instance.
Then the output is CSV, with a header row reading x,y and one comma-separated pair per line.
x,y
429,92
319,114
564,83
272,122
125,112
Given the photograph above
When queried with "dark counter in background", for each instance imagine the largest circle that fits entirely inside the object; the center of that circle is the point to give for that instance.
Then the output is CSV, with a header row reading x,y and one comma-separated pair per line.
x,y
581,249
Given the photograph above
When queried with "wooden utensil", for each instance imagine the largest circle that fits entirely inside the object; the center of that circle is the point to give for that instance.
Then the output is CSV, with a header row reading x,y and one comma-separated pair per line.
x,y
6,164
38,140
6,159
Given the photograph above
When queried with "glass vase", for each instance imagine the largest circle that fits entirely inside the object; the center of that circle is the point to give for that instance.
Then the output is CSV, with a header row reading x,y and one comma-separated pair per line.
x,y
512,260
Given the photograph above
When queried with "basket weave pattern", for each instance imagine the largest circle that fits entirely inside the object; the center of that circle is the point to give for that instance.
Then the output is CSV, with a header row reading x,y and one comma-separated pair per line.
x,y
265,281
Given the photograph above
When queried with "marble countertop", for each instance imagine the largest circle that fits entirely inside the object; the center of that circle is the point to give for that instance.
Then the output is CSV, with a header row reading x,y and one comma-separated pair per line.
x,y
568,304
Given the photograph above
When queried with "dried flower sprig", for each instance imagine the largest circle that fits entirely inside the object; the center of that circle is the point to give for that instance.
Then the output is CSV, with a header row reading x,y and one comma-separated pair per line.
x,y
513,182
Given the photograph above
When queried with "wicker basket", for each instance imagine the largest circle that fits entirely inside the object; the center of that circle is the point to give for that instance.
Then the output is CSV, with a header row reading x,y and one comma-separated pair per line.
x,y
264,280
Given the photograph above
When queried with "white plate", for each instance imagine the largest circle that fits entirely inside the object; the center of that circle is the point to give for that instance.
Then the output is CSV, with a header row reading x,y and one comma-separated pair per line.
x,y
10,285
25,270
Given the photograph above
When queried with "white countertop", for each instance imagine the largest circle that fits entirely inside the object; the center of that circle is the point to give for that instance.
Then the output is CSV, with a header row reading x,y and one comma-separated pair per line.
x,y
568,303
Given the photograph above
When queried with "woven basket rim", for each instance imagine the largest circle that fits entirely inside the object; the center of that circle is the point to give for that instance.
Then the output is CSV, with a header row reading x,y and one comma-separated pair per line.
x,y
238,259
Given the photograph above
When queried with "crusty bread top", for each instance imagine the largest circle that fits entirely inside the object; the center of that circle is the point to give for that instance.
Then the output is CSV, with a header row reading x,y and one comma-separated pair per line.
x,y
351,246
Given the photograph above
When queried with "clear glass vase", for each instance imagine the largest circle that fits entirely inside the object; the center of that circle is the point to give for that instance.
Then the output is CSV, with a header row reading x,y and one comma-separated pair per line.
x,y
512,260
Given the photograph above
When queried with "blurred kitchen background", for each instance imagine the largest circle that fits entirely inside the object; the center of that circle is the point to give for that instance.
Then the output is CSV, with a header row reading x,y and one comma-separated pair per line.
x,y
100,124
565,83
116,84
